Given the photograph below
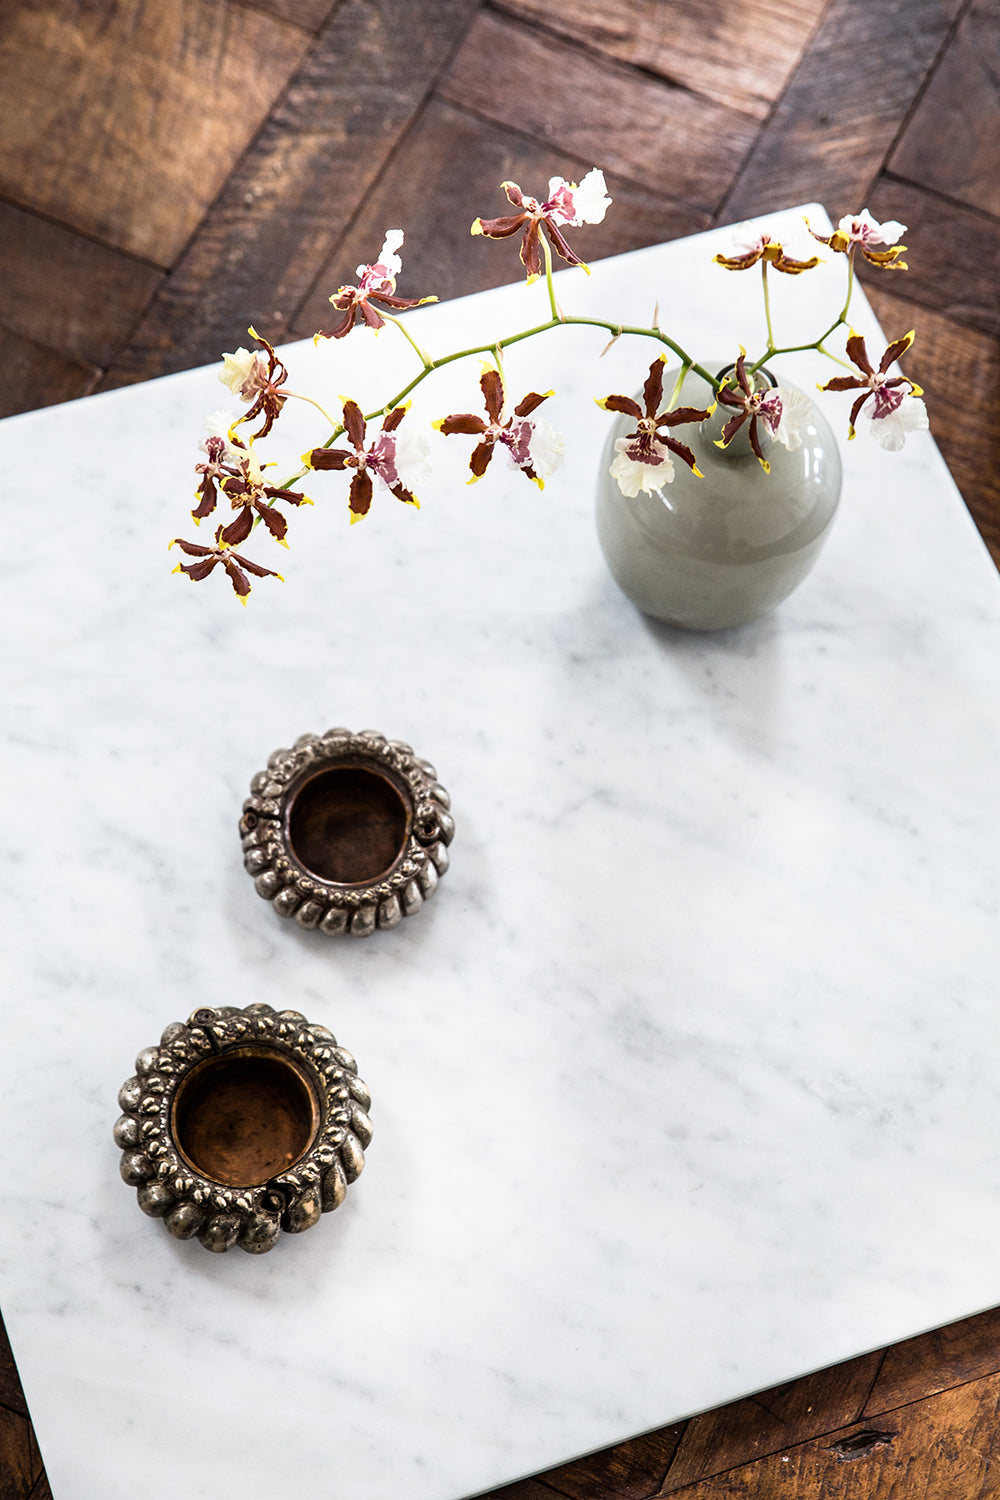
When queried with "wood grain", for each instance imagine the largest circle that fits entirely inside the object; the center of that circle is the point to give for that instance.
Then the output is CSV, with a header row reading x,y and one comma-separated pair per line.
x,y
68,292
20,1463
309,14
447,173
771,1421
936,1361
703,45
841,112
953,255
959,369
662,137
944,1448
133,146
34,376
962,102
11,1395
628,1471
259,251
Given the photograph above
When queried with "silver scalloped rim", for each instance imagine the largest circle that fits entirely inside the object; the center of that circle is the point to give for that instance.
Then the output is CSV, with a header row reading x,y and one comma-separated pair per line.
x,y
220,1216
323,905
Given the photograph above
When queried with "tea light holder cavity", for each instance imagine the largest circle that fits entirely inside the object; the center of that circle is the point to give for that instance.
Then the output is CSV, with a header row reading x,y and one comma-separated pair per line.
x,y
242,1124
346,832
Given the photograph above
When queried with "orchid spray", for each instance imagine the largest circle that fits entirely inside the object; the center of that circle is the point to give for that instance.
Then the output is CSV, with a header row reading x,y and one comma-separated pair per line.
x,y
395,456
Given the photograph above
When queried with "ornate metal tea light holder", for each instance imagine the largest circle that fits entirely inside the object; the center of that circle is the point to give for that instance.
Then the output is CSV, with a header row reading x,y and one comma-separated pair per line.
x,y
241,1124
346,832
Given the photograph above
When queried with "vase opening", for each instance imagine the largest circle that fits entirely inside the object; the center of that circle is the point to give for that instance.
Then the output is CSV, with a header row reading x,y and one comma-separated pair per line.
x,y
348,824
243,1116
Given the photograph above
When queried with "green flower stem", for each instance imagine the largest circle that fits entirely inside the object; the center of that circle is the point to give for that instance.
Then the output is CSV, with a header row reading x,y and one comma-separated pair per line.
x,y
553,304
421,354
682,375
496,348
767,307
299,397
850,286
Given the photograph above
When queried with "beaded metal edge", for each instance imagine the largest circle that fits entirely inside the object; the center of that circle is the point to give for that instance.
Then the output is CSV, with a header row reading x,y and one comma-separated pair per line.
x,y
316,903
220,1216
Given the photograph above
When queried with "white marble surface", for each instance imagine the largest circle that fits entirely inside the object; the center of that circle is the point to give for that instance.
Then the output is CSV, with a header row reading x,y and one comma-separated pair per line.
x,y
686,1081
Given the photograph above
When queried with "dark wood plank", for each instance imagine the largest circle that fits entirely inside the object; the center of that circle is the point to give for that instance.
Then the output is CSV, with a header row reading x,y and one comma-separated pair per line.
x,y
704,45
953,255
11,1394
936,1361
524,1489
67,292
260,249
608,115
771,1422
33,376
309,14
628,1471
20,1464
962,102
843,107
41,1490
447,173
133,146
944,1448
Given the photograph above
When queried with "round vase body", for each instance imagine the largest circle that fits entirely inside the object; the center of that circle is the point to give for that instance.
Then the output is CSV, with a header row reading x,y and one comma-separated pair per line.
x,y
725,549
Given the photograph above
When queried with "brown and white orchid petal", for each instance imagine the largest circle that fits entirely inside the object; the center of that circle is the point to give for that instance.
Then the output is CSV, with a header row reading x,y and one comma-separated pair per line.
x,y
530,256
844,383
856,412
399,303
858,354
361,494
754,436
329,458
199,570
275,522
624,404
681,415
793,267
238,529
464,422
492,389
896,350
237,577
682,451
560,246
371,317
481,456
207,497
731,428
392,420
402,493
652,391
342,329
887,259
739,262
354,424
499,229
529,403
193,549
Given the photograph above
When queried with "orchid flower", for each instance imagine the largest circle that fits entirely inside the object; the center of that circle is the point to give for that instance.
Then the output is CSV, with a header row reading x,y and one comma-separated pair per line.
x,y
232,563
867,234
386,458
532,445
376,283
643,458
258,379
893,412
769,406
566,204
752,247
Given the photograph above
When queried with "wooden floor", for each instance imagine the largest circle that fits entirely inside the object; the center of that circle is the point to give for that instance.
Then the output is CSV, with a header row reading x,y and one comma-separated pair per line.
x,y
174,171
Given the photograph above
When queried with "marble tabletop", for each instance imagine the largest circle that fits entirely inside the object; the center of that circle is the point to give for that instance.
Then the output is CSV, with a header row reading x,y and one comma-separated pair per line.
x,y
686,1081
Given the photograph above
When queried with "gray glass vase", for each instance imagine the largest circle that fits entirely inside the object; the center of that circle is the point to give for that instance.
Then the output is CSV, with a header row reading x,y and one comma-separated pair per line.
x,y
727,548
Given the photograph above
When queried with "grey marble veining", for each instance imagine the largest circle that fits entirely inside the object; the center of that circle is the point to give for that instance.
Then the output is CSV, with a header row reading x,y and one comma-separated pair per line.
x,y
685,1082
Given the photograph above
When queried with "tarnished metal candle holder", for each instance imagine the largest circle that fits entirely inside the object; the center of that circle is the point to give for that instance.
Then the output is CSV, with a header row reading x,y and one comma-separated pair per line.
x,y
241,1124
346,832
